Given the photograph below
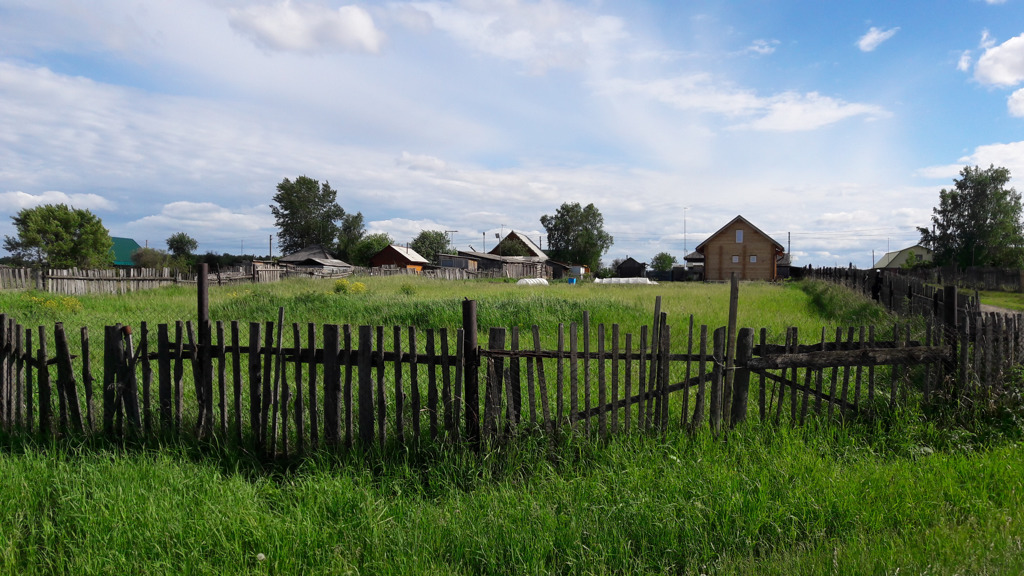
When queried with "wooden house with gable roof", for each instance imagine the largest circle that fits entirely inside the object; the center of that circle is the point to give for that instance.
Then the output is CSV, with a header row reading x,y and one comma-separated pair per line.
x,y
743,248
399,257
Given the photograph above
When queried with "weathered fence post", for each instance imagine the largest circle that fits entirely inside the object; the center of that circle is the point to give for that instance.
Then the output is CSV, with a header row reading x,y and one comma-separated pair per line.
x,y
471,372
717,379
365,387
730,347
205,363
741,381
949,329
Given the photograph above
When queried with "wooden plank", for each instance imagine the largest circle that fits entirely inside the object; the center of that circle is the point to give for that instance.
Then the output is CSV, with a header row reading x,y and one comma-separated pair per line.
x,y
147,378
685,412
300,408
279,368
586,369
730,348
663,364
30,378
365,386
762,340
165,400
129,383
560,376
860,369
255,381
45,402
628,393
871,367
741,383
380,395
574,399
460,362
531,382
820,376
542,382
602,385
793,377
222,403
179,375
347,401
269,353
446,386
431,383
311,398
844,395
641,411
19,376
698,409
653,364
110,367
66,374
414,385
236,380
904,356
399,392
332,387
717,380
615,377
515,389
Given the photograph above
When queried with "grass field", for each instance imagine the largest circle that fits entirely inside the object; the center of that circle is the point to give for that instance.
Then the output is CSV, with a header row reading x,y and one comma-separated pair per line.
x,y
897,493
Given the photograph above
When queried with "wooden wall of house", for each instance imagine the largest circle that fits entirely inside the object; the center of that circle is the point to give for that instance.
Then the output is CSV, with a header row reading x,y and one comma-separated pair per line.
x,y
720,250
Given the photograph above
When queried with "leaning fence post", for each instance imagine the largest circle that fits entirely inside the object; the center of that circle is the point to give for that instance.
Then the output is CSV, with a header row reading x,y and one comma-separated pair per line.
x,y
730,347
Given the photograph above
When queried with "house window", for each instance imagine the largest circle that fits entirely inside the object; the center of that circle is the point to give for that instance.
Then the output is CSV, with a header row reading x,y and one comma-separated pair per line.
x,y
753,259
739,236
735,259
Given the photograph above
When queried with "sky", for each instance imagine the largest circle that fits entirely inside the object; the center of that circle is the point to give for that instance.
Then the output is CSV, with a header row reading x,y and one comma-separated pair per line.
x,y
831,126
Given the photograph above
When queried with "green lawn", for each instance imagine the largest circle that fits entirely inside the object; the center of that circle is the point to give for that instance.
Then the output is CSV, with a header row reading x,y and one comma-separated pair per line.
x,y
896,493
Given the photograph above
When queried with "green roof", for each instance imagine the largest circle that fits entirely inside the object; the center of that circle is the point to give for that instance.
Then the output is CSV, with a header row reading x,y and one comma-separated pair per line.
x,y
122,251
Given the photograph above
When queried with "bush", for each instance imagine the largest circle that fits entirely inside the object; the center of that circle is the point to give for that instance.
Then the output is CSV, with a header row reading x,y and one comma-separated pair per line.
x,y
343,286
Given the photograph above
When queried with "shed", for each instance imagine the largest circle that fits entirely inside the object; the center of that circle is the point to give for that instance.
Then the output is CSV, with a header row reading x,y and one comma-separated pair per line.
x,y
399,256
631,268
743,248
313,259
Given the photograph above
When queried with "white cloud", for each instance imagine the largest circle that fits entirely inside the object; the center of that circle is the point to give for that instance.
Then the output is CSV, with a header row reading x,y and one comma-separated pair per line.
x,y
995,2
1009,155
1002,65
15,201
208,216
965,61
1015,103
541,35
307,28
874,37
763,47
785,112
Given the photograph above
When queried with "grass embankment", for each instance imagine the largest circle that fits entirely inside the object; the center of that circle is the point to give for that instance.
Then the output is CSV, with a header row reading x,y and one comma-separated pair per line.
x,y
1007,300
871,497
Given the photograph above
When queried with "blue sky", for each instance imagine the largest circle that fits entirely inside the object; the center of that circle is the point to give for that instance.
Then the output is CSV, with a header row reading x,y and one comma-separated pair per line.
x,y
830,125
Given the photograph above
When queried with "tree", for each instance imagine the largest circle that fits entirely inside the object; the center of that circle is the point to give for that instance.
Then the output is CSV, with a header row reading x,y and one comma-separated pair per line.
x,y
431,243
663,261
576,235
368,247
977,222
181,244
351,232
58,236
150,258
306,213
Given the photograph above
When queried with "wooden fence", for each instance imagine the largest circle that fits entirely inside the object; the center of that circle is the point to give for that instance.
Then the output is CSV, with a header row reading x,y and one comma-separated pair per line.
x,y
285,388
79,281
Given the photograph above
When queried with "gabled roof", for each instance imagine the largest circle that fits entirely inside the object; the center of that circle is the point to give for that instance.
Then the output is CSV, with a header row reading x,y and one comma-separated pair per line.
x,y
533,248
410,254
122,249
313,254
886,260
700,247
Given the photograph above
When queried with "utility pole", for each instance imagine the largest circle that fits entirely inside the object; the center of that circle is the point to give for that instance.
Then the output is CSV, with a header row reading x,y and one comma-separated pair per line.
x,y
270,244
450,234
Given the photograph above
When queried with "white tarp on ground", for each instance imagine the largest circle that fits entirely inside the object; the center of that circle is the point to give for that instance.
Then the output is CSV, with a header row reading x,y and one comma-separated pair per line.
x,y
624,281
533,282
